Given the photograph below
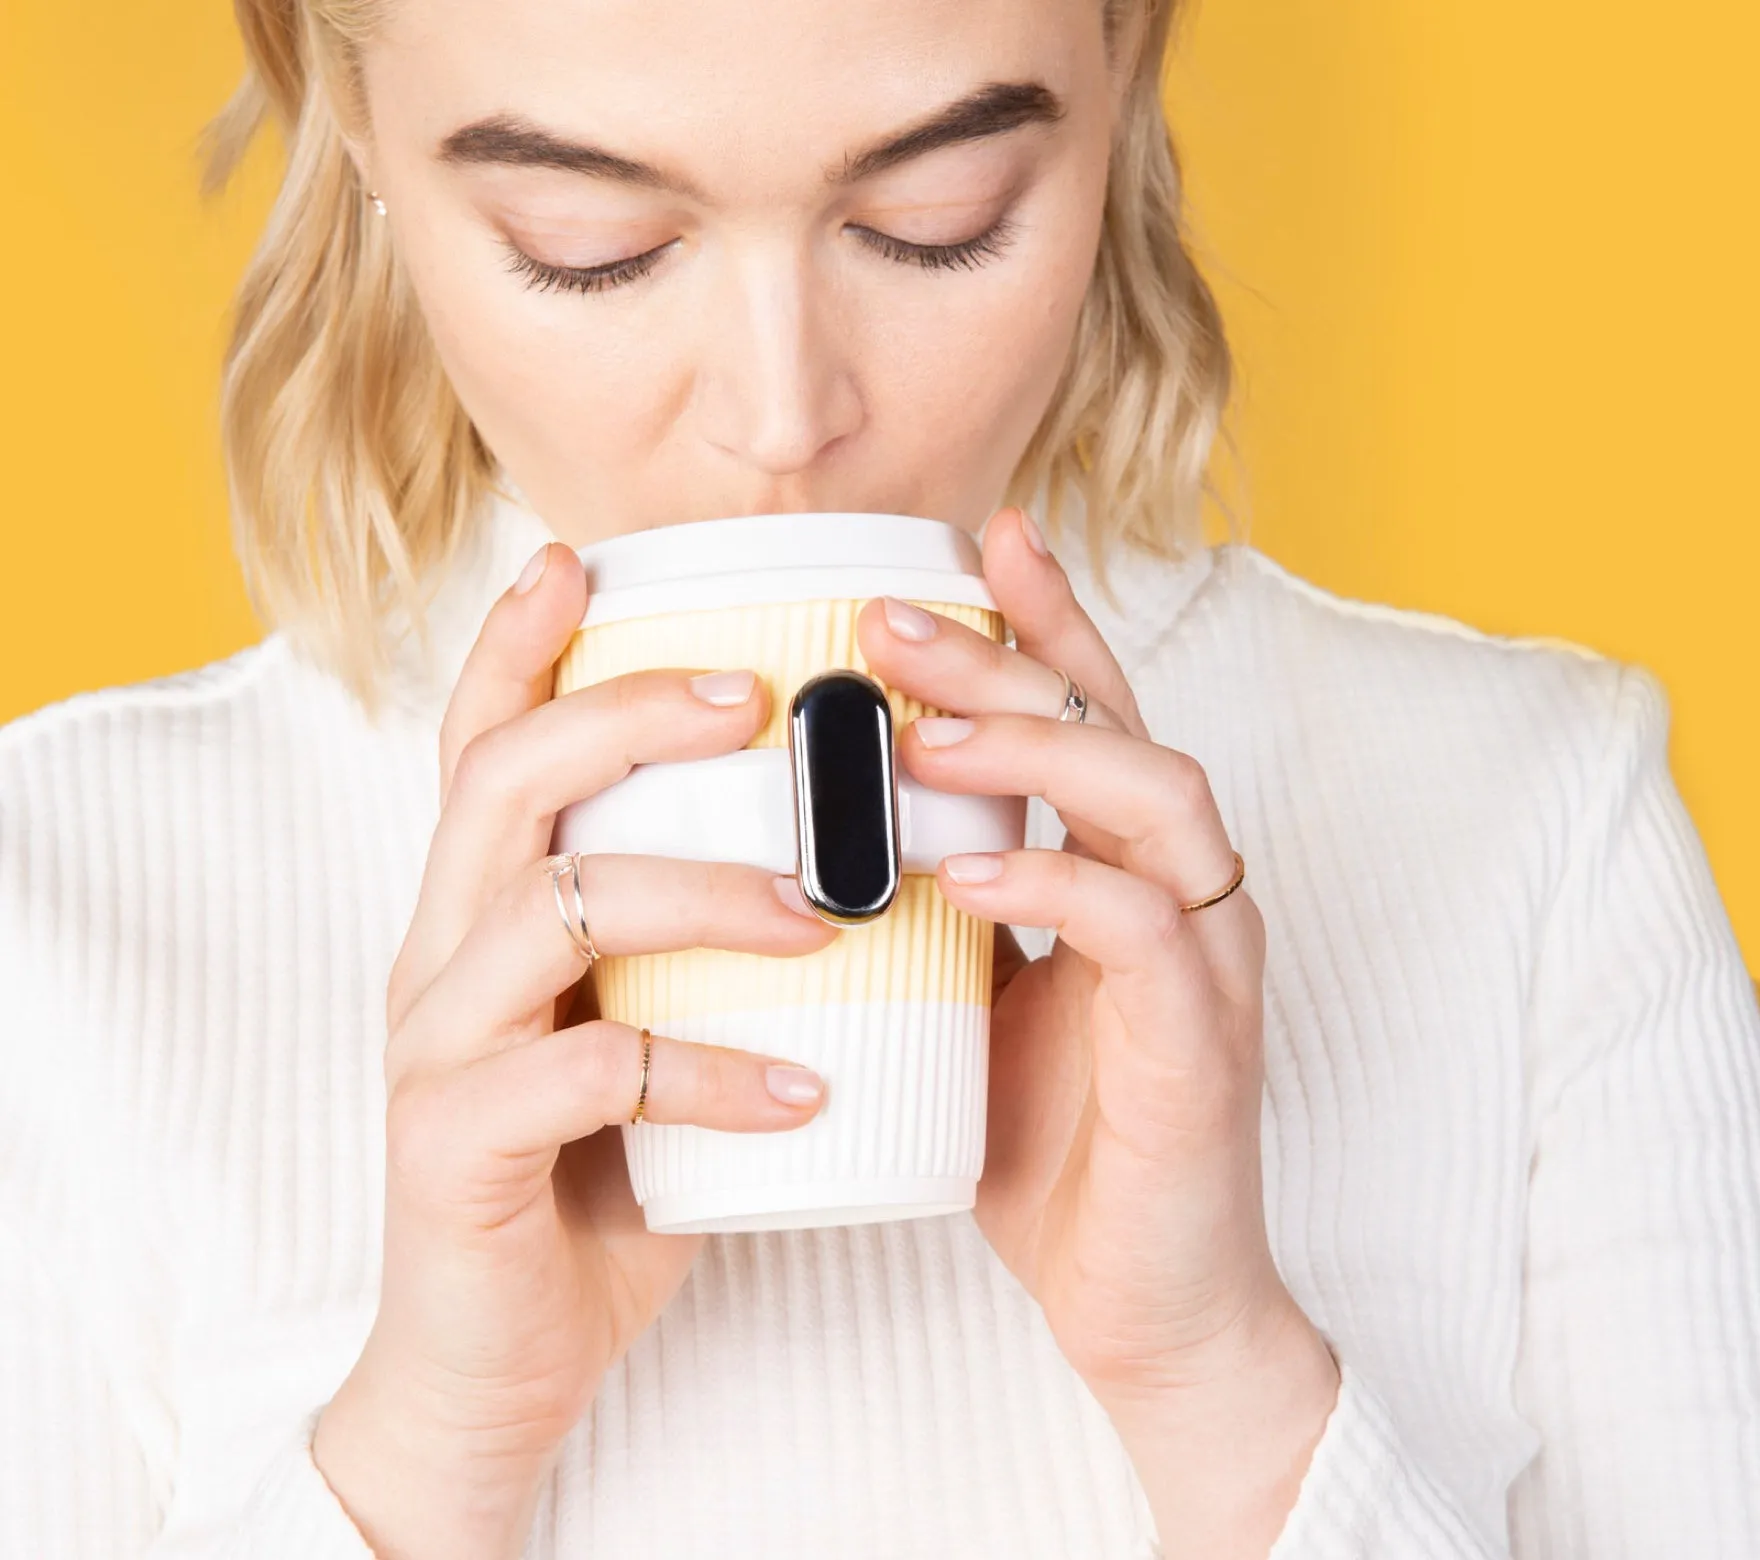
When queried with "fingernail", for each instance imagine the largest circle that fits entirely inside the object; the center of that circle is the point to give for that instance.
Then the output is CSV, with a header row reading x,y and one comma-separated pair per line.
x,y
789,892
1035,537
906,621
530,574
724,687
942,730
793,1085
977,867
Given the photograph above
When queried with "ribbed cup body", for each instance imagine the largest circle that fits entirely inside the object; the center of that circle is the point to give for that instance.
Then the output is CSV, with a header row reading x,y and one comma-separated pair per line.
x,y
894,1013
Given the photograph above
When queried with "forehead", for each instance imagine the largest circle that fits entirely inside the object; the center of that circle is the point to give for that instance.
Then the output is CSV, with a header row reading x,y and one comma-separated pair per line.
x,y
719,84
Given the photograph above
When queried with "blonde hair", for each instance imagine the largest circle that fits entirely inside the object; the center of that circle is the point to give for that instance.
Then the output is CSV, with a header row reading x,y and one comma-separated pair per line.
x,y
355,474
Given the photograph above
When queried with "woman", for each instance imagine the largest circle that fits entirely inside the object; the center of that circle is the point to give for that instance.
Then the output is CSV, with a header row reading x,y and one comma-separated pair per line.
x,y
1398,1199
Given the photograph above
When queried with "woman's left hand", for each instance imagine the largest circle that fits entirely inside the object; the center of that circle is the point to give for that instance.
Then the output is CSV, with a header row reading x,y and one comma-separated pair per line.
x,y
1122,1181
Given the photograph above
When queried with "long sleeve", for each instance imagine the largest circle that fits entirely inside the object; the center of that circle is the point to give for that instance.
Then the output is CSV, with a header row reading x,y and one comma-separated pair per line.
x,y
1640,1360
75,1478
292,1514
1366,1497
1639,1363
89,1443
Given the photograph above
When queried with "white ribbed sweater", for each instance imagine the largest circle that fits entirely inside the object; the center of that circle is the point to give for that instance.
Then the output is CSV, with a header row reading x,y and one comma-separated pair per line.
x,y
1511,1130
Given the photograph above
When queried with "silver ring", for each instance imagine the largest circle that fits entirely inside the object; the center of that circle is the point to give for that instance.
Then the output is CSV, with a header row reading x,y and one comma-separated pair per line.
x,y
1075,701
570,861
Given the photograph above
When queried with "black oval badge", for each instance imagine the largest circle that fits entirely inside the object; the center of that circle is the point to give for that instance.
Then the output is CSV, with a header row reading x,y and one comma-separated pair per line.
x,y
845,796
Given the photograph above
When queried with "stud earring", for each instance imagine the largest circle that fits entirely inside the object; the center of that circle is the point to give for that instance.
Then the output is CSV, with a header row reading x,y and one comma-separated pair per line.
x,y
378,205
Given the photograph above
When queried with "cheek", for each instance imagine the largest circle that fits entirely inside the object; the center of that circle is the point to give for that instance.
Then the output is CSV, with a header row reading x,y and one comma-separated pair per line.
x,y
985,359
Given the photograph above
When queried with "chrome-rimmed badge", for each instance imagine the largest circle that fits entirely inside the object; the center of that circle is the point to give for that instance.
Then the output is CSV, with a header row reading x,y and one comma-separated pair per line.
x,y
845,796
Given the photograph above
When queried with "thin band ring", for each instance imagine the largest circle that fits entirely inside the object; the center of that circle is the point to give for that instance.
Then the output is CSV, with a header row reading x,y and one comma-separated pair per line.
x,y
642,1098
570,862
1075,700
1240,872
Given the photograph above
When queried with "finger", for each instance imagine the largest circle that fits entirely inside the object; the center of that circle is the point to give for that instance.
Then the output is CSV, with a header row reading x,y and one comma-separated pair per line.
x,y
519,955
952,667
1154,953
456,1134
511,667
513,778
1153,804
921,745
1033,592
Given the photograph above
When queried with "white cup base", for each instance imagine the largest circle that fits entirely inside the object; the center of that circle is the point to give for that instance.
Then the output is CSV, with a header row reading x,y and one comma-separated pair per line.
x,y
900,1134
810,1206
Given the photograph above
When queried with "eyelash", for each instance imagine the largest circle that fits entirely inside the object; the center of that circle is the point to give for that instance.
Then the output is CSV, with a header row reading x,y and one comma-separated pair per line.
x,y
967,254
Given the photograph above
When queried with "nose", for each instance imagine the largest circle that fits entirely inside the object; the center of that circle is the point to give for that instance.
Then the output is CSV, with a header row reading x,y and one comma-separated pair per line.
x,y
776,384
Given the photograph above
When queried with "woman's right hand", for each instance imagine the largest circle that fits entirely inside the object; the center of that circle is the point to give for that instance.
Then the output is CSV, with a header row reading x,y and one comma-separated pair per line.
x,y
517,1266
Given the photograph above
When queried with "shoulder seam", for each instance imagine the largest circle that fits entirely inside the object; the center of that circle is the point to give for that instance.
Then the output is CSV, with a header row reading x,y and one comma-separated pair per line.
x,y
192,687
1638,696
1411,617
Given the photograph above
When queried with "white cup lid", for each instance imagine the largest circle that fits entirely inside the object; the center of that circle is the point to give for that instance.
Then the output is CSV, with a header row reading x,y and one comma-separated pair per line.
x,y
783,557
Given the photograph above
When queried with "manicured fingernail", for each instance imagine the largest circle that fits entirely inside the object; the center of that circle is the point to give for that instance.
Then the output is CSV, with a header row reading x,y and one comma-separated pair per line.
x,y
976,867
724,687
942,730
530,574
1035,537
906,621
793,1085
789,892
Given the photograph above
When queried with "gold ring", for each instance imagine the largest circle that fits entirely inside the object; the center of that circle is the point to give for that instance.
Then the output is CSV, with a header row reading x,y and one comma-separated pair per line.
x,y
642,1098
1240,872
570,862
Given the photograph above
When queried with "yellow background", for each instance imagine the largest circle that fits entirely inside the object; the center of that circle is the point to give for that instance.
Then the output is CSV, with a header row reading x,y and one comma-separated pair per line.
x,y
1491,271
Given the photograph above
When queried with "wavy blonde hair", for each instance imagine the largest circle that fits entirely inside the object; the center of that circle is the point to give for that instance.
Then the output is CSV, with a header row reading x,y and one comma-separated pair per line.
x,y
354,473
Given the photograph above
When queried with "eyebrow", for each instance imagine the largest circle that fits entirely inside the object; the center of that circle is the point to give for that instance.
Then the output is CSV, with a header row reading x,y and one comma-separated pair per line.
x,y
990,110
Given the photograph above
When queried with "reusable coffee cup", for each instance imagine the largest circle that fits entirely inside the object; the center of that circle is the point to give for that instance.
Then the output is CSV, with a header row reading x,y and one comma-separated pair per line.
x,y
895,1013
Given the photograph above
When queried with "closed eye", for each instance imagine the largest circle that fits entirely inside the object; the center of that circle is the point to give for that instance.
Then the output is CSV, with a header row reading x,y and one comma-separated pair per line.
x,y
943,257
545,277
971,252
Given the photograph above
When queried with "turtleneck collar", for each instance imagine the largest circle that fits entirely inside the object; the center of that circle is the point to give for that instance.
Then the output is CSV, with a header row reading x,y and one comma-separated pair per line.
x,y
1151,593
